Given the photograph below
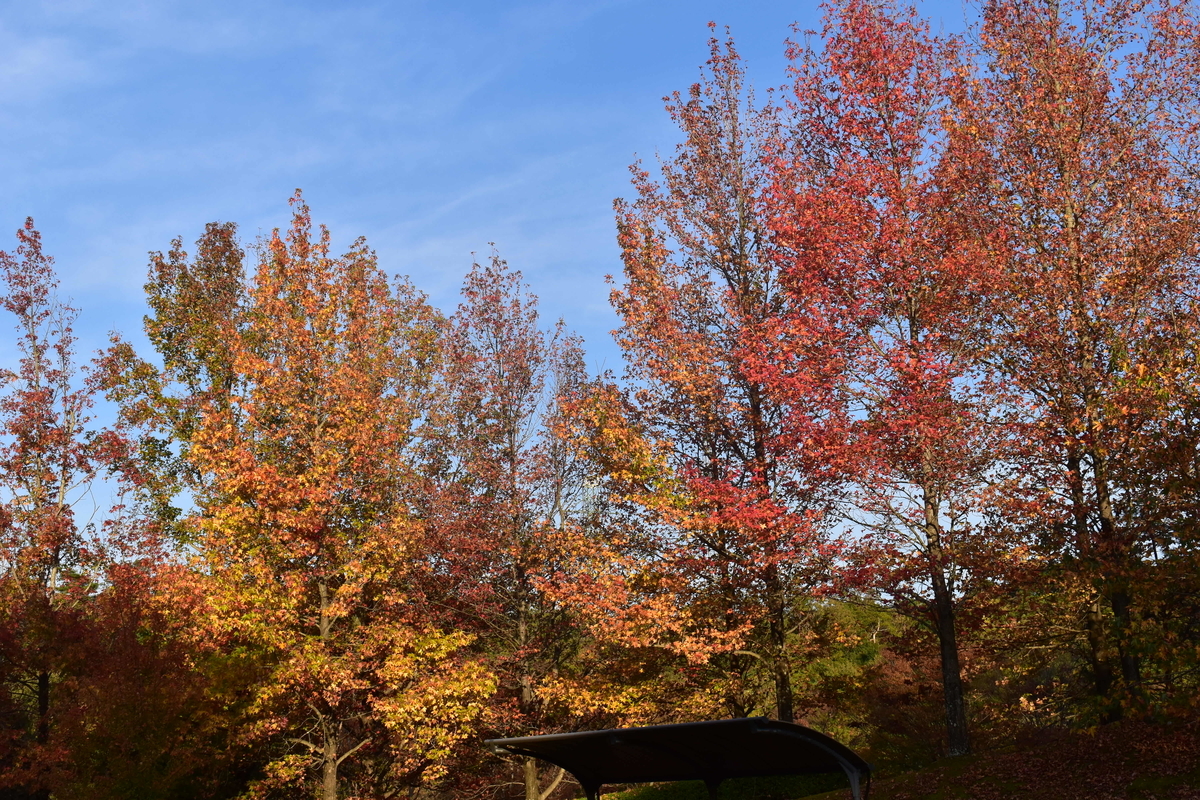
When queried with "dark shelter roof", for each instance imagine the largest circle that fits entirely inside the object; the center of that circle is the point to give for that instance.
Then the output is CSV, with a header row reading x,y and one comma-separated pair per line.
x,y
707,751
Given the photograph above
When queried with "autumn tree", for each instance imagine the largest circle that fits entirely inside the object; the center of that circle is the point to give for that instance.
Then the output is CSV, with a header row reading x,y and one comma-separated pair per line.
x,y
78,575
193,302
300,390
503,488
875,263
724,494
50,560
1079,128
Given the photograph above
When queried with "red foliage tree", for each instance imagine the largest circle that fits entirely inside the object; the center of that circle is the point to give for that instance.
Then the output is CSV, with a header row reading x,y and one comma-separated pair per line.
x,y
50,562
1079,129
502,488
726,500
74,624
876,264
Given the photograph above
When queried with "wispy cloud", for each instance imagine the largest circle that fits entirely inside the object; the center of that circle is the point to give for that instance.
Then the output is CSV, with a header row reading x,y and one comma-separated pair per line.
x,y
432,128
32,67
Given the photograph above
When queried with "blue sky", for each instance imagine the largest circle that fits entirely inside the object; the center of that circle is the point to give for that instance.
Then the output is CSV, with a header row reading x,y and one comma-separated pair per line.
x,y
430,128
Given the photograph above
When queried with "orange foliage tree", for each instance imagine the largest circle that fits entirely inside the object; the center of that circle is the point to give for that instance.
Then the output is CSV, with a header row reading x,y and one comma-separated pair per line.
x,y
299,451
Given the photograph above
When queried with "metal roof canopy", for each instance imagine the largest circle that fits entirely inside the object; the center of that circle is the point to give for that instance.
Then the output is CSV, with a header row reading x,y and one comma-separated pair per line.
x,y
712,752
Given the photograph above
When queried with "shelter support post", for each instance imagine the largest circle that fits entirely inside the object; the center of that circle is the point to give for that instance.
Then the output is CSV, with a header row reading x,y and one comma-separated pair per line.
x,y
855,781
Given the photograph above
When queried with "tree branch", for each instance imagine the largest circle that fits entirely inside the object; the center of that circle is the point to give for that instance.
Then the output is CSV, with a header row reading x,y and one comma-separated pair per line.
x,y
553,785
351,751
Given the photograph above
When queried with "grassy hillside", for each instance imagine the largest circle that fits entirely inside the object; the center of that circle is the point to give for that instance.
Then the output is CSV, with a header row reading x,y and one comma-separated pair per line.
x,y
1130,761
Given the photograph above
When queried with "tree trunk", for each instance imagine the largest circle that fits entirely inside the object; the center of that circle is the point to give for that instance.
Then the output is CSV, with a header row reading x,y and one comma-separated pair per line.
x,y
329,783
529,767
957,739
1117,557
958,742
1102,675
785,702
329,776
785,710
1131,668
43,724
533,783
43,701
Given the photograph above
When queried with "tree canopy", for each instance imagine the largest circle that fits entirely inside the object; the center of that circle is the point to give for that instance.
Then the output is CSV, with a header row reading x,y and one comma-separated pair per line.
x,y
905,448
